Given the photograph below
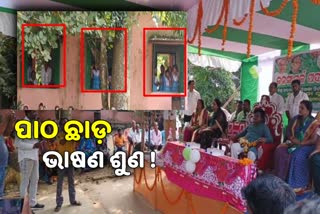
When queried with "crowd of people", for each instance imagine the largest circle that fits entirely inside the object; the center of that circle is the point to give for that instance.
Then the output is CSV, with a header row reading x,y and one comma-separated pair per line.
x,y
29,152
296,160
32,168
168,80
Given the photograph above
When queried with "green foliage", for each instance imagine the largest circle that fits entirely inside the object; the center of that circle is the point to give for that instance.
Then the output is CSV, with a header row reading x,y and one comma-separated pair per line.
x,y
162,59
8,81
171,19
212,83
39,41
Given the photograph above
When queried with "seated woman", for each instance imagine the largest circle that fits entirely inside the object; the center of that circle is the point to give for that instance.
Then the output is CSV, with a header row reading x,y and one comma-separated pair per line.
x,y
199,119
217,126
315,161
167,81
293,154
88,146
257,132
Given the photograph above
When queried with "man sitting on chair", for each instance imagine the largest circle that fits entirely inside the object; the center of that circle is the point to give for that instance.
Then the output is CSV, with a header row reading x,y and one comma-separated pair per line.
x,y
119,142
257,132
156,138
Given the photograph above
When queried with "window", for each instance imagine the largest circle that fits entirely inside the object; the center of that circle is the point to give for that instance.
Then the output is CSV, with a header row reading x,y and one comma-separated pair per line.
x,y
92,65
168,72
36,71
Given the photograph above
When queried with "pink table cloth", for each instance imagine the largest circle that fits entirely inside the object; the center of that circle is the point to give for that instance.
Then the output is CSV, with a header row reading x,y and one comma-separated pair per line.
x,y
219,178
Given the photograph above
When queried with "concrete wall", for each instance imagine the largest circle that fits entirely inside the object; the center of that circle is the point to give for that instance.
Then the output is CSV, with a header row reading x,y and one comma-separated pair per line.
x,y
71,95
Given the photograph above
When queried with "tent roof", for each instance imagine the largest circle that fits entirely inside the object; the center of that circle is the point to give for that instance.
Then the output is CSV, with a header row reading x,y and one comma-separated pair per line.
x,y
269,33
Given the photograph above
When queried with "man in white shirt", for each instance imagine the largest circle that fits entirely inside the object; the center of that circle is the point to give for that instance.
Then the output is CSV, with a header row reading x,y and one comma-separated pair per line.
x,y
156,138
276,98
28,157
294,99
134,136
234,115
193,97
46,75
170,122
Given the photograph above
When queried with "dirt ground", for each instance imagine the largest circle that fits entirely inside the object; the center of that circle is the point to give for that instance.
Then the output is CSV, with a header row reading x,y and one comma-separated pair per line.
x,y
99,191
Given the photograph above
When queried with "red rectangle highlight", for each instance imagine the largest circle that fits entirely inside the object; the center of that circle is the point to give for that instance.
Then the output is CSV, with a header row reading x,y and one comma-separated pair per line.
x,y
64,70
82,61
161,94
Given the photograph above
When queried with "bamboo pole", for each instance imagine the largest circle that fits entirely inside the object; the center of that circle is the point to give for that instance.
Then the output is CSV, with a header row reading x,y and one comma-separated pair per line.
x,y
231,97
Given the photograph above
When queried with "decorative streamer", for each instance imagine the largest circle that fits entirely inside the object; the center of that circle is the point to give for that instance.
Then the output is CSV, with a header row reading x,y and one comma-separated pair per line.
x,y
295,5
225,25
239,23
275,12
250,28
198,27
315,1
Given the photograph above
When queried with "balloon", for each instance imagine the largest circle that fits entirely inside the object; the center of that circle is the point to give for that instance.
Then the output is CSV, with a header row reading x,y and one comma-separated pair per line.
x,y
190,166
186,153
254,72
195,156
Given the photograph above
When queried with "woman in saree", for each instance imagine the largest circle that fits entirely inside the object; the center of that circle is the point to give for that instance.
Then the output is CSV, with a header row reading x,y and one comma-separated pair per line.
x,y
293,154
315,158
217,126
199,120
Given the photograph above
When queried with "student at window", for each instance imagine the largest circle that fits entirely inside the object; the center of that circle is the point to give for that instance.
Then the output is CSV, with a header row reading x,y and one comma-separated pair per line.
x,y
175,79
46,74
167,81
33,80
95,78
162,78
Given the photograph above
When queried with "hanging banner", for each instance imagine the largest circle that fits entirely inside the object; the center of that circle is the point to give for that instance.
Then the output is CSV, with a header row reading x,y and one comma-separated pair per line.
x,y
303,66
249,80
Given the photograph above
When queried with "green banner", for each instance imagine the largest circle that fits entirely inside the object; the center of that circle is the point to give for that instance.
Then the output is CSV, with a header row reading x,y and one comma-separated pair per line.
x,y
249,80
303,66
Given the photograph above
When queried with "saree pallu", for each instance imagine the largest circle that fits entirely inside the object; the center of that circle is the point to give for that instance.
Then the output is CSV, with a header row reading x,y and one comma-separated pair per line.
x,y
315,171
265,159
282,158
299,173
197,121
282,162
188,132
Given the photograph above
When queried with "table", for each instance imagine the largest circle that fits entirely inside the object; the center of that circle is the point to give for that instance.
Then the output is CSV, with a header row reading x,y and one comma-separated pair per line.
x,y
218,178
